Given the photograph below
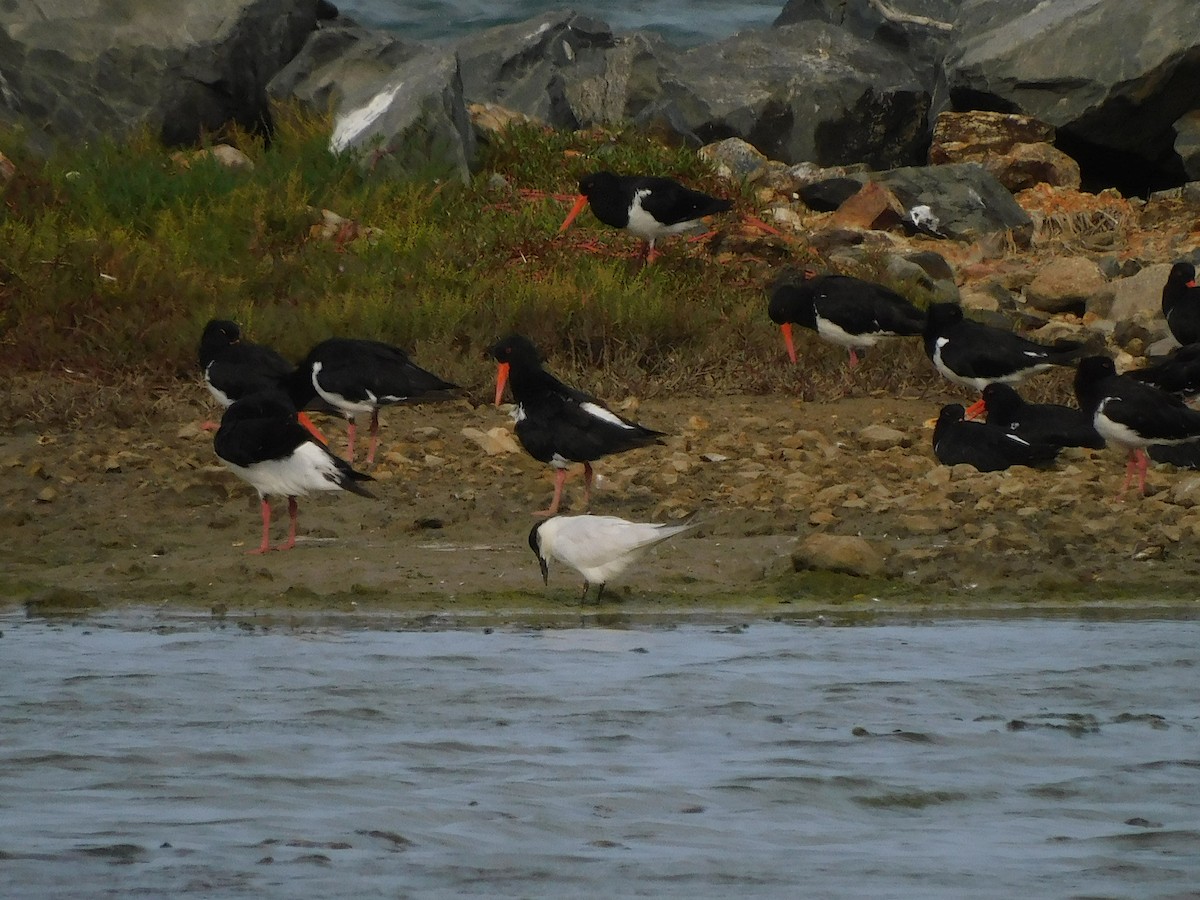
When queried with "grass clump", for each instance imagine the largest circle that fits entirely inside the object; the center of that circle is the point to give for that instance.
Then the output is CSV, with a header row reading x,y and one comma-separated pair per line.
x,y
113,255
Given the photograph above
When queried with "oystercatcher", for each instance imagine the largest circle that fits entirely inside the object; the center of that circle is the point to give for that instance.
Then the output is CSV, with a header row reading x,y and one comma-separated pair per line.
x,y
263,444
989,448
1176,373
1181,303
847,311
234,368
597,547
1038,423
557,424
359,376
646,206
1131,414
975,355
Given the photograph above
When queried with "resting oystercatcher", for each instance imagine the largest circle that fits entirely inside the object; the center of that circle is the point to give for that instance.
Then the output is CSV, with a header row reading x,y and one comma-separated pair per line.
x,y
557,424
646,206
234,368
1038,423
975,355
1176,373
263,444
1131,414
597,547
359,376
847,311
989,448
1181,303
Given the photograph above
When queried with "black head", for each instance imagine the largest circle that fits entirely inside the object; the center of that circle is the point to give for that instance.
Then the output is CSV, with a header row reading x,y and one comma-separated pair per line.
x,y
221,331
951,413
597,181
1000,399
218,334
1181,274
1088,373
942,315
516,350
535,544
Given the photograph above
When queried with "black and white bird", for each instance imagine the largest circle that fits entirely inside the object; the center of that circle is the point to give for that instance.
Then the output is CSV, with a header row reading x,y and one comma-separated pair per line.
x,y
557,424
1038,423
599,548
1132,415
235,368
846,311
987,447
647,206
1181,303
1176,373
357,377
262,443
975,355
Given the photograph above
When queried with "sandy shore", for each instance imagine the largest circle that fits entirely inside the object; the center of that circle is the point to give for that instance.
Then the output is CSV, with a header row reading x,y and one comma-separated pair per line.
x,y
100,517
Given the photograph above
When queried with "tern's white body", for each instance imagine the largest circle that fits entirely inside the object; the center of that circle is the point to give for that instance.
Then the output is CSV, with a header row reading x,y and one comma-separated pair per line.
x,y
599,547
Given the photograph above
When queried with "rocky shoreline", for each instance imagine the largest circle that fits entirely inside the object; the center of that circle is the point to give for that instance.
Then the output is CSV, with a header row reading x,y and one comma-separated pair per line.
x,y
808,509
811,505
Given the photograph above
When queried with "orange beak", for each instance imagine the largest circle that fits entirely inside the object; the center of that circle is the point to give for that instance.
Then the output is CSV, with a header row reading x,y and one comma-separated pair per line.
x,y
786,328
501,381
304,420
976,409
580,203
1191,283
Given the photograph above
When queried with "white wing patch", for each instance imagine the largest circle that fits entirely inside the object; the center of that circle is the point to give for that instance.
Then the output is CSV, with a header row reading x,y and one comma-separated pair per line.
x,y
599,412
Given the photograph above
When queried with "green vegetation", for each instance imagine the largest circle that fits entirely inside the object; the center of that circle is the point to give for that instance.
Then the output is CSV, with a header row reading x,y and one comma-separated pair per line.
x,y
114,255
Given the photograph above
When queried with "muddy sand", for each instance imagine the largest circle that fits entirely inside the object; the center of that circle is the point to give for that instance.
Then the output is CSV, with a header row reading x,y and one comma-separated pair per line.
x,y
97,518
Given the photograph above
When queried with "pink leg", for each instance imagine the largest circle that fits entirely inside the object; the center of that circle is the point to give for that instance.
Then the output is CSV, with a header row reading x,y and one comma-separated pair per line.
x,y
374,437
651,253
588,477
853,358
293,515
1143,465
351,433
560,478
266,520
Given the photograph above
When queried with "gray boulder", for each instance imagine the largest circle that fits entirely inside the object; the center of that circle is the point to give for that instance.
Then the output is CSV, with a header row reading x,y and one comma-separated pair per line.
x,y
78,70
800,93
525,67
918,31
1187,143
1112,76
965,200
413,123
341,59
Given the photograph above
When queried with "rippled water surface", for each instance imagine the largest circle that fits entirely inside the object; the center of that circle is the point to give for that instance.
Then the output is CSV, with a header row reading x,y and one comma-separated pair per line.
x,y
980,759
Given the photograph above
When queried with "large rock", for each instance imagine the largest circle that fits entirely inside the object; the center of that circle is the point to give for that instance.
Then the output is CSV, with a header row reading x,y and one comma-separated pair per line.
x,y
1017,149
1126,297
526,66
916,30
800,93
1187,143
1112,76
339,60
849,554
82,69
414,123
1064,283
965,200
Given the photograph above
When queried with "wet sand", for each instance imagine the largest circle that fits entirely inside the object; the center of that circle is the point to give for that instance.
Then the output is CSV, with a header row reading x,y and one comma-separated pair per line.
x,y
98,517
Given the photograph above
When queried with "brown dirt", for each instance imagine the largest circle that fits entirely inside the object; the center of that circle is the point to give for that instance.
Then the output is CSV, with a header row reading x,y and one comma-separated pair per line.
x,y
99,517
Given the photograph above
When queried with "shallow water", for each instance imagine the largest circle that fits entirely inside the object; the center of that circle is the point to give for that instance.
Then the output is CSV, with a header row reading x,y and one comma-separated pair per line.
x,y
980,759
682,22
